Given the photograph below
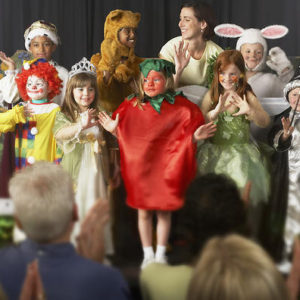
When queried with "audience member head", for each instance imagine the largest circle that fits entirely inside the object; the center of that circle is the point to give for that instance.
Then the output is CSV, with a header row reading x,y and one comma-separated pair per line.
x,y
44,201
234,267
213,207
203,12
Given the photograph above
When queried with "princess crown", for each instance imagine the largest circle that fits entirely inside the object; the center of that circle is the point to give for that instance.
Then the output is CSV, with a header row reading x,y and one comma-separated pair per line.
x,y
83,66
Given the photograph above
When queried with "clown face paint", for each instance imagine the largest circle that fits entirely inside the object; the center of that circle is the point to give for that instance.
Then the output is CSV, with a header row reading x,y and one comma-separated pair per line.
x,y
229,77
154,84
36,88
293,97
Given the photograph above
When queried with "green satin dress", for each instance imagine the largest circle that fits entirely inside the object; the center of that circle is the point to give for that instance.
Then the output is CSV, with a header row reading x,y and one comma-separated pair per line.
x,y
231,152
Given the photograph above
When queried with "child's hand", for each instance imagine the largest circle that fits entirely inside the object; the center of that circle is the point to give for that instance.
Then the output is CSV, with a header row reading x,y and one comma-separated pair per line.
x,y
242,104
28,112
107,122
8,61
287,128
89,121
205,131
221,107
182,56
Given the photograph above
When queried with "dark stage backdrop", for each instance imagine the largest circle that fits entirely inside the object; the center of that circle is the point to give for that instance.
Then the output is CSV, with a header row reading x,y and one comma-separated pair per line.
x,y
80,23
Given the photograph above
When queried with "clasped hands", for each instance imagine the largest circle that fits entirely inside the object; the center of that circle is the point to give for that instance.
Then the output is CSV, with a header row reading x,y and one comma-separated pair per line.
x,y
232,98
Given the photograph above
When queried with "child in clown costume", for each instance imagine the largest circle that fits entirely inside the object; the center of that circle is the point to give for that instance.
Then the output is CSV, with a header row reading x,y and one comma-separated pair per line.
x,y
32,123
155,129
41,41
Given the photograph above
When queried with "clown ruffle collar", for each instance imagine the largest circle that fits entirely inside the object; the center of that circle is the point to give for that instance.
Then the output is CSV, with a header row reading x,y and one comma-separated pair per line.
x,y
156,101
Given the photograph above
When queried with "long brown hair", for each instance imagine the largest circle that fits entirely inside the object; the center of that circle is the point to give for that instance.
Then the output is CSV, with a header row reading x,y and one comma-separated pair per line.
x,y
70,108
225,59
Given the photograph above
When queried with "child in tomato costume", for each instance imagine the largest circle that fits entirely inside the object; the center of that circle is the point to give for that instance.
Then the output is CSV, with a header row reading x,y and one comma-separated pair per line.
x,y
157,129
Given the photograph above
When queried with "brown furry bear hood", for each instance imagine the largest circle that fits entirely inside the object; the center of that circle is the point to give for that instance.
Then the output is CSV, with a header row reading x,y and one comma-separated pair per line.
x,y
118,19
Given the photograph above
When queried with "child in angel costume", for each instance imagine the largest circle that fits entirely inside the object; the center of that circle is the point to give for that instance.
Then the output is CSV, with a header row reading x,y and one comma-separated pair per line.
x,y
32,123
155,129
80,136
284,209
231,103
253,46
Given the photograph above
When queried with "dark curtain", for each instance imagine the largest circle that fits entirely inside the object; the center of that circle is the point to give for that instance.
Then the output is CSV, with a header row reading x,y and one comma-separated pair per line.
x,y
80,23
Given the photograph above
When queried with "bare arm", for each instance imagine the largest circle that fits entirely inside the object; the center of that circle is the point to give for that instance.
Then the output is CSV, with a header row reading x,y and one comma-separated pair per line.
x,y
108,123
257,114
90,242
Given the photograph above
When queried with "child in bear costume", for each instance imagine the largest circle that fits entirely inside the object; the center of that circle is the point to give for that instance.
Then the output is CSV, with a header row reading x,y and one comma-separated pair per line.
x,y
254,49
117,64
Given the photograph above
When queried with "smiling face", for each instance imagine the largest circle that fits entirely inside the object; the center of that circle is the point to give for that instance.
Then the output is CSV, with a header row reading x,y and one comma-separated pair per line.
x,y
293,97
154,84
127,36
42,47
36,88
84,96
189,25
252,54
229,77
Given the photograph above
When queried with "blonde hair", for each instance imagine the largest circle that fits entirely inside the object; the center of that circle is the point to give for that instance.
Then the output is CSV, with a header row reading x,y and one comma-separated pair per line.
x,y
234,267
170,86
70,108
43,199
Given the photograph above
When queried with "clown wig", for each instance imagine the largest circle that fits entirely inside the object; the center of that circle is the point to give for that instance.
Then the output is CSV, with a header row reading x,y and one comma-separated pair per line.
x,y
42,70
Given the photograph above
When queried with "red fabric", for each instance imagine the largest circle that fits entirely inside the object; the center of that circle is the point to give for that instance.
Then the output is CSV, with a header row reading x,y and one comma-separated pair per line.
x,y
157,152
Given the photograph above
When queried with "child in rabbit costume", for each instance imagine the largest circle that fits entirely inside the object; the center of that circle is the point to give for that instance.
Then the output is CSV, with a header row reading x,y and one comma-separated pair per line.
x,y
117,63
253,47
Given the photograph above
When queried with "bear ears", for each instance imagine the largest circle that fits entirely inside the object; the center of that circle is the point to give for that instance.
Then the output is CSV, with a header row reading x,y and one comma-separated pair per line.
x,y
119,14
235,31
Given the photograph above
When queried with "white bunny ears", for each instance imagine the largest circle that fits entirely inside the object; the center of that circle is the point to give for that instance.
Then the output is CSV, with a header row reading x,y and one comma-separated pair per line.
x,y
234,31
252,36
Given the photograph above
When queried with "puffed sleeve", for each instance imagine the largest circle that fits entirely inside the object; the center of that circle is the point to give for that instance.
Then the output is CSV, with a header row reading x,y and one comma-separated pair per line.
x,y
9,119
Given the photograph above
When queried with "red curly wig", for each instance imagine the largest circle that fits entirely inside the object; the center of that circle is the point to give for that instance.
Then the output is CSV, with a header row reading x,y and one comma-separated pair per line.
x,y
42,70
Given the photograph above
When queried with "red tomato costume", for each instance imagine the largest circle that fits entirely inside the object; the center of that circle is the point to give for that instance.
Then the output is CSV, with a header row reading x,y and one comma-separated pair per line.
x,y
157,152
